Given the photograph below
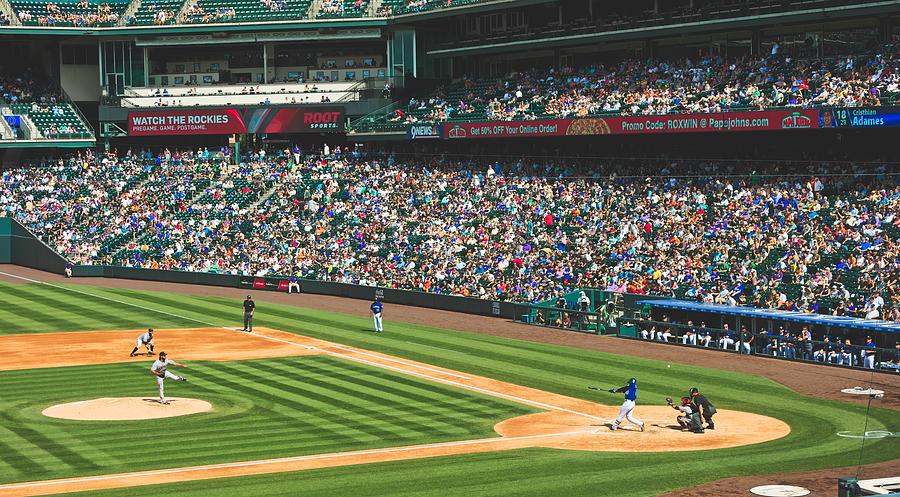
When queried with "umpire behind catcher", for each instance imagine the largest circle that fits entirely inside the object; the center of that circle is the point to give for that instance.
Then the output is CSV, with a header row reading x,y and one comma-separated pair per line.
x,y
249,307
701,407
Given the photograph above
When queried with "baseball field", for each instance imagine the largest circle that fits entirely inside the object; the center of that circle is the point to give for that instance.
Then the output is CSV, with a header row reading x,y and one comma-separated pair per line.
x,y
313,403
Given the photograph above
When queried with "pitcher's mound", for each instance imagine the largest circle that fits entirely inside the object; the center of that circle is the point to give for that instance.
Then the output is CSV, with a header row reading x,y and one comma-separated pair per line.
x,y
126,409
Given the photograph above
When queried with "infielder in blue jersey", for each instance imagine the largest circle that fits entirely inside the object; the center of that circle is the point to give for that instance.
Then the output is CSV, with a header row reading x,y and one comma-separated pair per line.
x,y
630,391
376,308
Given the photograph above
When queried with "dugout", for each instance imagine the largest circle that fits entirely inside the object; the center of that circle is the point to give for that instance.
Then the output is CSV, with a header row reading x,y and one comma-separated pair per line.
x,y
763,323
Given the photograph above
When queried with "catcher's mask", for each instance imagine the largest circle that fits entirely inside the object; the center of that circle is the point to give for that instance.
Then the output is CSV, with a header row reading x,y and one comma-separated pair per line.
x,y
685,401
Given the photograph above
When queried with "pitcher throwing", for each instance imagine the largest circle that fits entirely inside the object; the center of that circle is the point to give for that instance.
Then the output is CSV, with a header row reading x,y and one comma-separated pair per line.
x,y
159,369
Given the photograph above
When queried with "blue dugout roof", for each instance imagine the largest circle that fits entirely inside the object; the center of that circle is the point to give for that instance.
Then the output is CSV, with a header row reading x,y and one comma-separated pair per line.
x,y
801,317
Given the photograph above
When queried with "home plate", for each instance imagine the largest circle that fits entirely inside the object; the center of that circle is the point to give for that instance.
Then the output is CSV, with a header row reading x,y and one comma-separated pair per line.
x,y
779,491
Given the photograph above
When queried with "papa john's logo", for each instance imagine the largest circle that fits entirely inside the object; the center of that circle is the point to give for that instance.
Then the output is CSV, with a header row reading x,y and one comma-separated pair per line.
x,y
457,132
795,120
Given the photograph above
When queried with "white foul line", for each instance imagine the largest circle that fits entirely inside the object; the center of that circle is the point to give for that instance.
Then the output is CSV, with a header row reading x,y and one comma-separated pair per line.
x,y
391,359
266,462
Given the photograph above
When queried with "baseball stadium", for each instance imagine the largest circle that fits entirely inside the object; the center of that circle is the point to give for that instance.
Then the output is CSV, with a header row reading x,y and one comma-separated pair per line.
x,y
450,248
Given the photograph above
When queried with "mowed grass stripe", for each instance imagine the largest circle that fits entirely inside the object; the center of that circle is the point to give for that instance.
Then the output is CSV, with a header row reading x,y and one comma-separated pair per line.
x,y
464,405
410,417
289,411
184,305
413,394
55,313
28,321
53,447
18,461
97,313
147,312
10,324
326,422
321,400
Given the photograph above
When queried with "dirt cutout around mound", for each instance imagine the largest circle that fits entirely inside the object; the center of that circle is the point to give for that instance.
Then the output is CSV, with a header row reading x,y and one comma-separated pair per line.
x,y
567,423
126,409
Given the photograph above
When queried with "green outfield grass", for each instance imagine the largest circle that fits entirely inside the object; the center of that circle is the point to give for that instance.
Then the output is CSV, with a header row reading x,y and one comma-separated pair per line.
x,y
811,445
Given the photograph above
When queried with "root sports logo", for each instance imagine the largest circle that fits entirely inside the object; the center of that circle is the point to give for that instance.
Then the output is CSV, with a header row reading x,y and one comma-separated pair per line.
x,y
248,120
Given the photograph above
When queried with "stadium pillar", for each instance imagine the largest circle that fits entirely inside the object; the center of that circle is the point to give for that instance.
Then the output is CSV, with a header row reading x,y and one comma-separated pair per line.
x,y
885,29
146,67
265,64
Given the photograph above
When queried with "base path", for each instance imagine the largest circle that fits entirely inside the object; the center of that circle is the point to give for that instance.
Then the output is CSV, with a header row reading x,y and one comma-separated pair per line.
x,y
567,423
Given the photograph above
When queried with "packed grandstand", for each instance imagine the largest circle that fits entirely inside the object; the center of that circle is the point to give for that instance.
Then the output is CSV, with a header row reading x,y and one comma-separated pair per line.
x,y
824,242
649,87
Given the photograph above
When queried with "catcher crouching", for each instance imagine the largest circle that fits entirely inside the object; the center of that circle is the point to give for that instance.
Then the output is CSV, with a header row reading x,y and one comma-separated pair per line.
x,y
684,412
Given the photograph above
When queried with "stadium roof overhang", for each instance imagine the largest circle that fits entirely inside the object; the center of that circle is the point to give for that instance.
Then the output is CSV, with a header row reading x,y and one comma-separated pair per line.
x,y
776,315
225,37
78,143
340,28
680,29
472,8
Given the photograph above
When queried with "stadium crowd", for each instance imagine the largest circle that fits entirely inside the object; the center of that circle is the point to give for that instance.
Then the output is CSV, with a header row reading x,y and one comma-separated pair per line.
x,y
84,15
713,232
19,86
649,87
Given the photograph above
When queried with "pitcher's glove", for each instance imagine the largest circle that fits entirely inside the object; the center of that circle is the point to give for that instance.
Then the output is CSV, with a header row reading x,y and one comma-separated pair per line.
x,y
669,400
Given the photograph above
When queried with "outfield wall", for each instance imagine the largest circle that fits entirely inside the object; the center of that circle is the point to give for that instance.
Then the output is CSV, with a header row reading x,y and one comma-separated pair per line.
x,y
18,246
404,297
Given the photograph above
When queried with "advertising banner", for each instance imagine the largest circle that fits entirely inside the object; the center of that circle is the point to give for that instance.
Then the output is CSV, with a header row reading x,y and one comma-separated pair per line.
x,y
639,125
420,131
249,120
258,283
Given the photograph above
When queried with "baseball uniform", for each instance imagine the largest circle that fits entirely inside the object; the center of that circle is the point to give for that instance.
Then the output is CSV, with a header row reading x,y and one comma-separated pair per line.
x,y
377,308
159,368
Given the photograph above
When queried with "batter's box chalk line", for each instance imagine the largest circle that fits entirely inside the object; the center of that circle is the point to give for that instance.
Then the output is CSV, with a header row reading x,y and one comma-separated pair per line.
x,y
779,491
869,435
862,391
